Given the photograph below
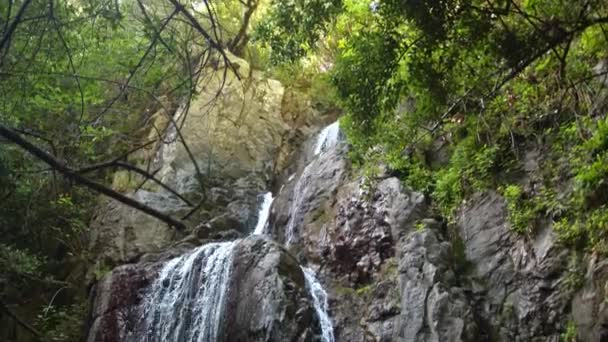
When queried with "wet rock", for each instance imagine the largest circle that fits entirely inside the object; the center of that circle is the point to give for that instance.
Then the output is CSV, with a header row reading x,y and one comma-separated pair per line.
x,y
267,298
116,300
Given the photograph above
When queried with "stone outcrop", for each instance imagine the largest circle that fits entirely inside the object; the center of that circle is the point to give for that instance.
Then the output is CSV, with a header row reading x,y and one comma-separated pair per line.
x,y
590,304
433,308
519,287
396,275
268,300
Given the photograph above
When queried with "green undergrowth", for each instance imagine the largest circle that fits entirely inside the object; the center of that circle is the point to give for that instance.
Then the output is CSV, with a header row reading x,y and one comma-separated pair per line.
x,y
482,148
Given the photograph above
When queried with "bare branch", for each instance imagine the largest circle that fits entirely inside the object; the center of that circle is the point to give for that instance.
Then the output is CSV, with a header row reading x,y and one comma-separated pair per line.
x,y
20,321
132,168
238,43
139,64
76,177
13,26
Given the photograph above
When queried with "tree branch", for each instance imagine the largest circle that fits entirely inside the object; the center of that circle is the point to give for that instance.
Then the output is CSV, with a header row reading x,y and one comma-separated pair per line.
x,y
13,26
14,137
19,320
132,168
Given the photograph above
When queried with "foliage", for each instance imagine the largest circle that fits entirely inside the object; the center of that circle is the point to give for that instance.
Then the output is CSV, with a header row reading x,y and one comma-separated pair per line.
x,y
469,171
571,333
81,80
522,213
292,27
447,93
19,262
62,323
575,277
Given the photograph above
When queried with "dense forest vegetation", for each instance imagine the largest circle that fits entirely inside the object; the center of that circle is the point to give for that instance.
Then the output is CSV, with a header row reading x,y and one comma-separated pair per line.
x,y
450,95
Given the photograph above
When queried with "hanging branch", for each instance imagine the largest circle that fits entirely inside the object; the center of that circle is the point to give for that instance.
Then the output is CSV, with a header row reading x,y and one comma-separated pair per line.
x,y
132,168
20,321
212,43
13,26
139,64
67,172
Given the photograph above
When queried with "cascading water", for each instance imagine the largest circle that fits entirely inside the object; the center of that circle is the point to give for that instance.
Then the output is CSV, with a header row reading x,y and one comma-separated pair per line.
x,y
186,302
298,196
263,214
319,297
327,139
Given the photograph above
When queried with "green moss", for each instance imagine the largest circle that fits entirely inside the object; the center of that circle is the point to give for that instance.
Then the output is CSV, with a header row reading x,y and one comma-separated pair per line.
x,y
522,211
345,291
420,226
575,276
365,290
570,334
389,269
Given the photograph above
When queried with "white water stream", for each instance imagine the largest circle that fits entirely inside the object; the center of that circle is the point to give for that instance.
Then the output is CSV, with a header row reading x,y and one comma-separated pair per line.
x,y
187,300
263,214
319,297
327,139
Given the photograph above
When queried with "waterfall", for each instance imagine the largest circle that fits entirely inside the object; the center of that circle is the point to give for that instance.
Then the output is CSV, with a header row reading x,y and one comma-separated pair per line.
x,y
298,197
186,301
318,294
263,214
326,139
319,297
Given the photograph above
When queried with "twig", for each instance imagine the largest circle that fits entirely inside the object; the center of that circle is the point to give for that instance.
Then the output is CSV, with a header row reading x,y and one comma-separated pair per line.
x,y
20,321
71,174
132,168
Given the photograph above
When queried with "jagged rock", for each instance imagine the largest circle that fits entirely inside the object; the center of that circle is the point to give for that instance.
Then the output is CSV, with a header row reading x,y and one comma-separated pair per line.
x,y
307,195
519,286
590,304
268,296
432,309
115,302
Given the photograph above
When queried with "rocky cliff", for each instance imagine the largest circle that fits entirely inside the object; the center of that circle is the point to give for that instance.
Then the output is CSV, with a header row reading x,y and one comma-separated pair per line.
x,y
392,269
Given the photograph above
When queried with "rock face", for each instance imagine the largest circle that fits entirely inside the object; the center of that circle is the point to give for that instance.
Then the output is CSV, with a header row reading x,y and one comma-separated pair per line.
x,y
265,299
238,140
519,287
121,234
433,307
590,306
394,274
391,271
268,300
353,232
